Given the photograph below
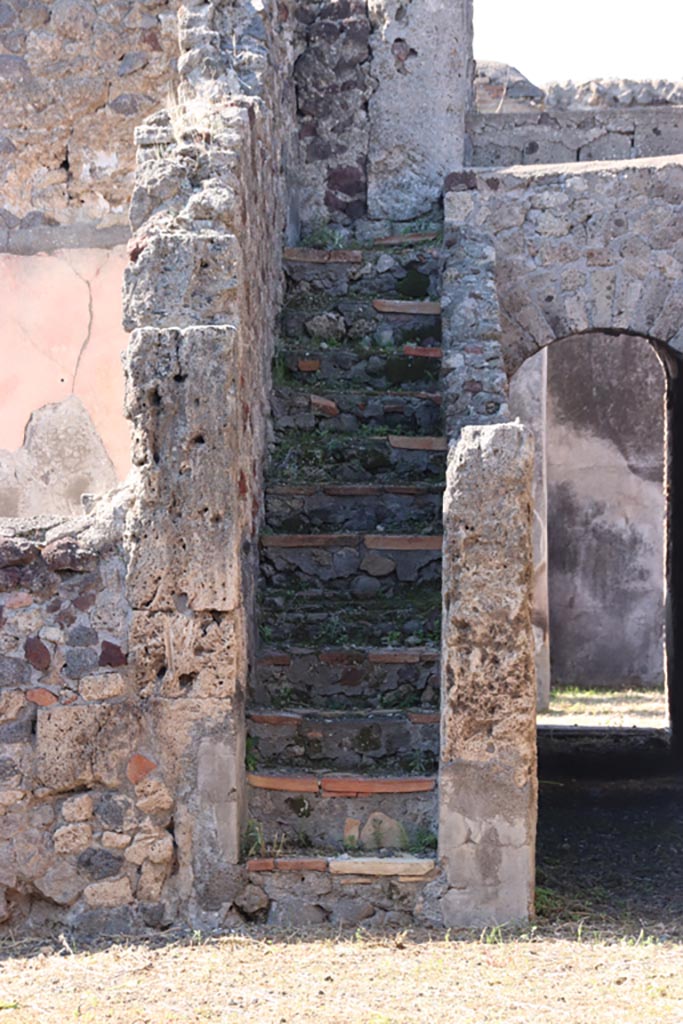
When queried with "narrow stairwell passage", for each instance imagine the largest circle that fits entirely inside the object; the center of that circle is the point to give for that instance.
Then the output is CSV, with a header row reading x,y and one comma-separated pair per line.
x,y
343,716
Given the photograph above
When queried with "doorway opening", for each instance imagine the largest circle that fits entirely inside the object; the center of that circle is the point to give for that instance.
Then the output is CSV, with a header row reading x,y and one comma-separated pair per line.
x,y
608,420
596,404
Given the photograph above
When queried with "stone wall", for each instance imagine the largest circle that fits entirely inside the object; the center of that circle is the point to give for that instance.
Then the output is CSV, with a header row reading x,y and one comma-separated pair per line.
x,y
84,815
202,289
381,89
550,136
128,799
75,78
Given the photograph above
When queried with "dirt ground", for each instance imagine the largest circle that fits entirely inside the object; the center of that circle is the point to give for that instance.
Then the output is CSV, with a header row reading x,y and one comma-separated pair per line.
x,y
606,947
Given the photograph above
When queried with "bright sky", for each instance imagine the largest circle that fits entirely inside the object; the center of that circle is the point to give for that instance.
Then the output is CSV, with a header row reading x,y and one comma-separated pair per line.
x,y
554,40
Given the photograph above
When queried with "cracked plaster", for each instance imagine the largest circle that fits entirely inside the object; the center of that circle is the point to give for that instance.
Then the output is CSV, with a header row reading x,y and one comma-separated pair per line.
x,y
63,316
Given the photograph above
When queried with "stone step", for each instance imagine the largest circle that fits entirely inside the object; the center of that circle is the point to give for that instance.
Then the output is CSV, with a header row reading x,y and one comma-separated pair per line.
x,y
411,616
348,411
409,238
338,890
406,307
401,866
388,677
404,369
301,456
313,276
379,741
354,507
338,812
354,565
391,321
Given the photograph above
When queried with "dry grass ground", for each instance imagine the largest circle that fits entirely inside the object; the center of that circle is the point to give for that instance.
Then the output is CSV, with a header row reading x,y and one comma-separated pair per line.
x,y
539,976
607,708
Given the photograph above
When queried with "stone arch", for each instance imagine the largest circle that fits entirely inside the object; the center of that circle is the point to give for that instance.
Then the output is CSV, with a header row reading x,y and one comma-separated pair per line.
x,y
577,248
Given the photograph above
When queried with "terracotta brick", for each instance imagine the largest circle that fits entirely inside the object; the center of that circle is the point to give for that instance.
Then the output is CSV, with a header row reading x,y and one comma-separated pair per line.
x,y
42,697
418,444
138,767
323,255
403,542
309,540
341,657
349,786
352,490
409,490
325,406
18,600
284,783
274,719
300,864
261,864
407,306
308,365
275,659
400,657
292,489
411,238
424,717
422,352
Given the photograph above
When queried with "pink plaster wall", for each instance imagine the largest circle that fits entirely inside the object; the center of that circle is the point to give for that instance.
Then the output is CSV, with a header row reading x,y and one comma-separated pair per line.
x,y
61,335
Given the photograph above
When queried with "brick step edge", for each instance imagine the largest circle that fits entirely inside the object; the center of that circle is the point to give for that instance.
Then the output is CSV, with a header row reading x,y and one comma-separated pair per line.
x,y
307,363
413,869
372,541
310,255
354,490
410,307
342,785
266,716
335,656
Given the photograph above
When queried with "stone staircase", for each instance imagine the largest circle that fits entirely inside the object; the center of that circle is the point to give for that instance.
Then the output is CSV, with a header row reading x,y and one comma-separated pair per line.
x,y
343,721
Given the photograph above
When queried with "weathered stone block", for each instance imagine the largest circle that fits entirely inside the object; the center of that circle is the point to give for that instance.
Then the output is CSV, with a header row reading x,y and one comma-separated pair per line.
x,y
187,655
183,533
72,838
78,808
109,893
81,746
487,788
180,279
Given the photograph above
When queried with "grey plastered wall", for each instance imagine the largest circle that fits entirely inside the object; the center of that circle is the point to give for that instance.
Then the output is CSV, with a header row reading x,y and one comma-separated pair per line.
x,y
528,401
605,443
